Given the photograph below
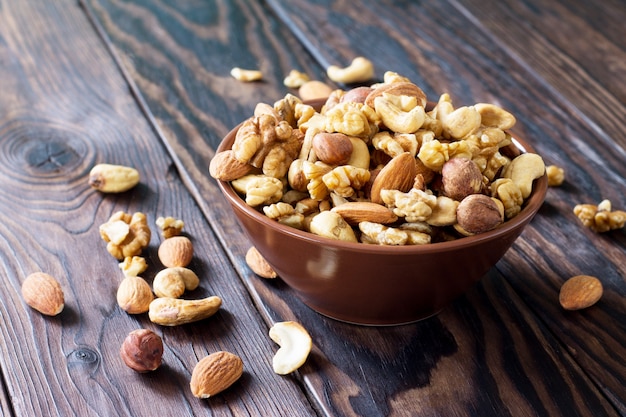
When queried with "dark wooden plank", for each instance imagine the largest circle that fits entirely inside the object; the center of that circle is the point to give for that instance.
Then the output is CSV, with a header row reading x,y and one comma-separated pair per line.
x,y
487,340
577,48
65,106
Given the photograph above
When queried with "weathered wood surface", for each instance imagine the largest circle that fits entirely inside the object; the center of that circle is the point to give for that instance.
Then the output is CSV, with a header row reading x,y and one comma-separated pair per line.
x,y
443,47
506,348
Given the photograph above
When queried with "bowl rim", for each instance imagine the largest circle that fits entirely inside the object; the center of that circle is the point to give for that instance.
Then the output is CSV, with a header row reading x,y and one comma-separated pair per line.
x,y
530,208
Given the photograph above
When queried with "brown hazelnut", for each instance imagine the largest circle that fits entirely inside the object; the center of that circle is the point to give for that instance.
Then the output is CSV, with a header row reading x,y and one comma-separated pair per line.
x,y
142,350
461,177
356,95
332,148
478,213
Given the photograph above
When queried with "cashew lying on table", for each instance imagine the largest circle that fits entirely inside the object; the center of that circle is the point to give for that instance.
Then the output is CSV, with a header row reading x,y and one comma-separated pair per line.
x,y
295,346
246,75
361,69
174,281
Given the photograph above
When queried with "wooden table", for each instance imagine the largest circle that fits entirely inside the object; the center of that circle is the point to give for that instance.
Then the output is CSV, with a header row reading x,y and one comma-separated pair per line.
x,y
146,84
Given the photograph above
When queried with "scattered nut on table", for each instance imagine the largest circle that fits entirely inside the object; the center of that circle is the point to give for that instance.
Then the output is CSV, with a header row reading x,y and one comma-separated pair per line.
x,y
295,79
246,75
43,293
580,291
295,345
169,226
133,265
215,373
142,350
126,234
174,281
109,178
134,295
360,70
556,175
257,263
168,311
600,218
176,251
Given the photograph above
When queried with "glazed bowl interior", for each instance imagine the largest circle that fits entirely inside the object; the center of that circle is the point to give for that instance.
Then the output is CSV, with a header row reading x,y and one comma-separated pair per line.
x,y
378,284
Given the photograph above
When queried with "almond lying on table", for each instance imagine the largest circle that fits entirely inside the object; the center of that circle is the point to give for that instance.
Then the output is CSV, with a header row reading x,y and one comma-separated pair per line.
x,y
580,291
43,292
257,263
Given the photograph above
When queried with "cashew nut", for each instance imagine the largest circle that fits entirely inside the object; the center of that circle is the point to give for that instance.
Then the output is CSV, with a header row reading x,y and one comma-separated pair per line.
x,y
360,70
331,225
174,281
168,311
523,170
246,75
400,114
295,346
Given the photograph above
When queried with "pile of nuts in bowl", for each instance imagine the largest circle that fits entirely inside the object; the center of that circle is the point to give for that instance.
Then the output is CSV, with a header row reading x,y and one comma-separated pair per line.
x,y
379,165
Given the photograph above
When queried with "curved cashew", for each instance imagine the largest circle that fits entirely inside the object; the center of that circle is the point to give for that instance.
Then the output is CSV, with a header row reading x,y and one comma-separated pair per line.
x,y
331,225
400,114
360,70
295,346
246,75
173,282
523,170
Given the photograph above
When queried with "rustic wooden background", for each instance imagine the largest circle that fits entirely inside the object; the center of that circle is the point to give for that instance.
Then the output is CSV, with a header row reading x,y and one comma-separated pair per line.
x,y
146,83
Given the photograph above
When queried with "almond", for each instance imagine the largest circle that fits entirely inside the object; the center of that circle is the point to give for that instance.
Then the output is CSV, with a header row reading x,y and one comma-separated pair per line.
x,y
398,174
332,148
580,291
258,264
225,167
354,212
176,251
43,293
214,373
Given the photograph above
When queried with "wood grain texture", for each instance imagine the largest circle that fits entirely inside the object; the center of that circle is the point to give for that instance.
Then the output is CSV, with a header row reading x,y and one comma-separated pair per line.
x,y
65,106
504,353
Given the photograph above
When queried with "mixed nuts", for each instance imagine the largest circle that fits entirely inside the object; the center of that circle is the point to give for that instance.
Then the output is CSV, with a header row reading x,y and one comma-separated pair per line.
x,y
380,155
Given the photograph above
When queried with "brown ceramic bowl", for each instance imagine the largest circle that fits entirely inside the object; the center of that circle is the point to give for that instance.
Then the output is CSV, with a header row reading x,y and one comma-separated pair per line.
x,y
378,285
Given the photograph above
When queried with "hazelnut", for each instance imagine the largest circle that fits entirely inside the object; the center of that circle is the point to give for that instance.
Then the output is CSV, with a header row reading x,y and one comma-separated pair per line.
x,y
461,177
356,95
332,148
142,350
478,213
134,295
176,251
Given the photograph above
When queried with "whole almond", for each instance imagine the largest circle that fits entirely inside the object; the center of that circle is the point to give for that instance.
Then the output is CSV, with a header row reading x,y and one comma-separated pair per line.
x,y
224,166
332,148
580,291
176,251
398,174
258,264
214,373
43,293
354,212
134,295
